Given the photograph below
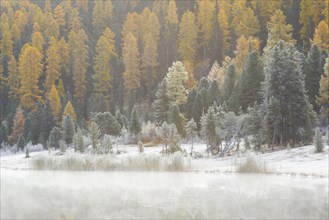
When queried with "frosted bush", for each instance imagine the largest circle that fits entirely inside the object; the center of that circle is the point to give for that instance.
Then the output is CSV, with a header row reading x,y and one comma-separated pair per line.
x,y
140,147
250,164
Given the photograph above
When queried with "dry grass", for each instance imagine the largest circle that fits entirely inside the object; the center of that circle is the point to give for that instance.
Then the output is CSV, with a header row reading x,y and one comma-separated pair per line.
x,y
111,163
252,165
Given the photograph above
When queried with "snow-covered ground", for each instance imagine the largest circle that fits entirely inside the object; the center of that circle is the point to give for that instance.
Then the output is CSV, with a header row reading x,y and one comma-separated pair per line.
x,y
296,161
297,189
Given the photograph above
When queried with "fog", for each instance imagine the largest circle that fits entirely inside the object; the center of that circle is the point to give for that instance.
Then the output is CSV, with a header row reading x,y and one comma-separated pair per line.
x,y
159,195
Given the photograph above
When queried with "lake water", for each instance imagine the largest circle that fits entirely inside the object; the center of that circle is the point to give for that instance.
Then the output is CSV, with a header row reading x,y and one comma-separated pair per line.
x,y
160,195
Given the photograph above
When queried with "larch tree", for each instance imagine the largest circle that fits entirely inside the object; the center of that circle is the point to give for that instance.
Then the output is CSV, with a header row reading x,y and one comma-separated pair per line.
x,y
102,71
131,60
205,15
55,103
59,16
187,38
278,30
53,67
149,62
108,10
80,64
243,47
245,22
99,17
13,79
69,110
18,126
171,32
224,32
38,40
30,70
131,25
321,38
175,80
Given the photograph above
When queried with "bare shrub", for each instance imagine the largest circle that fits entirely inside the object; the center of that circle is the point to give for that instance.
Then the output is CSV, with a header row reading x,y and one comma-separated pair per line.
x,y
252,165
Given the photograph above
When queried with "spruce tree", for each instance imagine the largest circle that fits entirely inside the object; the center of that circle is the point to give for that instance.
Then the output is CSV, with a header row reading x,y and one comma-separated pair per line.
x,y
284,81
47,121
94,134
228,85
78,141
20,142
177,118
161,103
54,137
313,72
3,134
318,141
107,123
198,107
213,93
191,132
209,123
135,125
68,129
251,78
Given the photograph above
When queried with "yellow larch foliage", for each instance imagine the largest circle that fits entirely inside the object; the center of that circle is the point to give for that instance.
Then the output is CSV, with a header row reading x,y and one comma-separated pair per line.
x,y
321,36
171,17
99,17
7,44
323,99
13,79
131,25
205,15
53,66
30,69
55,102
131,60
38,40
149,61
245,21
18,126
149,25
243,48
59,16
69,110
224,30
187,37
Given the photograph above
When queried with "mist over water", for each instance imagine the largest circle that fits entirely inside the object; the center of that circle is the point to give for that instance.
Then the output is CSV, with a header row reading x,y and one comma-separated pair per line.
x,y
159,195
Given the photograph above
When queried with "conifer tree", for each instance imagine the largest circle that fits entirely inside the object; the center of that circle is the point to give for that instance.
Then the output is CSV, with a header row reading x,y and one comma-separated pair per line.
x,y
13,79
178,119
209,122
229,82
47,123
198,107
68,129
191,132
205,15
318,141
313,72
55,137
135,125
321,36
187,37
80,56
213,93
69,110
107,123
251,79
284,82
131,60
20,143
52,67
18,126
94,134
175,80
99,17
30,70
55,103
78,141
161,103
171,32
224,31
323,98
245,22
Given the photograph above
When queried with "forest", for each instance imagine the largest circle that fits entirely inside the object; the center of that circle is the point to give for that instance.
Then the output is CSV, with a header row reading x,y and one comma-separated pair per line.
x,y
163,71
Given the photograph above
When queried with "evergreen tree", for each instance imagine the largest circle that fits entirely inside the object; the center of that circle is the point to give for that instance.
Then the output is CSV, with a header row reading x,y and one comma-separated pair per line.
x,y
251,79
20,143
170,137
161,103
68,129
18,126
313,72
178,119
106,144
198,107
209,123
228,86
47,122
135,126
107,123
284,81
94,134
78,141
27,152
54,138
175,80
318,141
62,146
191,132
3,134
213,93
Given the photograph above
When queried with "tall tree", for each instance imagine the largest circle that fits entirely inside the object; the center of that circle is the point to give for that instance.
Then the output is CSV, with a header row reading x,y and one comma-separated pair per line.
x,y
323,98
284,82
68,129
30,70
321,38
13,79
53,66
313,72
69,110
18,126
80,56
161,103
224,32
175,80
55,103
99,17
131,60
